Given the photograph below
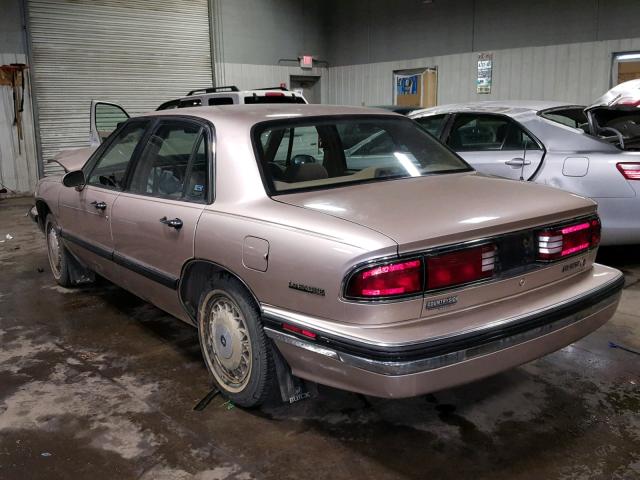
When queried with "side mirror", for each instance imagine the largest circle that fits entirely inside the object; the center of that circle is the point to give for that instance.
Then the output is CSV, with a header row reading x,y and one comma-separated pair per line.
x,y
74,179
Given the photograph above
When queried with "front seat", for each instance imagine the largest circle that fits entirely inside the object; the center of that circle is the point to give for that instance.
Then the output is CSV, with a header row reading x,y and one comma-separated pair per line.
x,y
305,172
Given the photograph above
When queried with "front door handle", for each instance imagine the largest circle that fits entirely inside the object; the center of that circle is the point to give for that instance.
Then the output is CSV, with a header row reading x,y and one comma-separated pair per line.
x,y
99,205
517,162
173,223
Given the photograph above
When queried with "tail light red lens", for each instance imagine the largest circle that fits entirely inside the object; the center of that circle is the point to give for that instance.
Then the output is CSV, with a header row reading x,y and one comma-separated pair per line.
x,y
390,279
299,330
596,227
569,240
630,171
459,267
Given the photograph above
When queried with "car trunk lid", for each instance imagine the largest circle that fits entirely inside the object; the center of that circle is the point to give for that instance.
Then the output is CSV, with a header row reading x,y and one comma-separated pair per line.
x,y
425,212
615,116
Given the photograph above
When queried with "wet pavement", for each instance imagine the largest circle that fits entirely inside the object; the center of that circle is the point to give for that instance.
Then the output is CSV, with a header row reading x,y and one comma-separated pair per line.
x,y
95,383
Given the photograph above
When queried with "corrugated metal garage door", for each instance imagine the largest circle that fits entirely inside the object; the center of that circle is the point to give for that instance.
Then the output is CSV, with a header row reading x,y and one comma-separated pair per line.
x,y
137,53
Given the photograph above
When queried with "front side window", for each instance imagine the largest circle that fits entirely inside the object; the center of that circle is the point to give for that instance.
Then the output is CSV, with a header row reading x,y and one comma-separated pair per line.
x,y
311,154
173,163
110,169
488,133
107,118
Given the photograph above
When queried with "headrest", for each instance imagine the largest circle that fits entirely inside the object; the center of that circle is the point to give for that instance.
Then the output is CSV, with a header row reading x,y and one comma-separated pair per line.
x,y
305,172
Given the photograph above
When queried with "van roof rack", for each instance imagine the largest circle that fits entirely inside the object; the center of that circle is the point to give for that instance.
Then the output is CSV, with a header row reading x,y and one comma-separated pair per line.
x,y
227,88
284,89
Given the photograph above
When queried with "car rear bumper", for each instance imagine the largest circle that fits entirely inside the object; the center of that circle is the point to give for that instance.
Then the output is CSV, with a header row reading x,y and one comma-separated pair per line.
x,y
434,364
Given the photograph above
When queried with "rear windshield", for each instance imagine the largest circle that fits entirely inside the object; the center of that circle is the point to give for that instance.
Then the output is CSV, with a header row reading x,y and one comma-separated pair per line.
x,y
277,98
301,155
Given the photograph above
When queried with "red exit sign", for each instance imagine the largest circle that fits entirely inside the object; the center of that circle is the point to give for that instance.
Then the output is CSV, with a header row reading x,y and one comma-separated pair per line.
x,y
306,61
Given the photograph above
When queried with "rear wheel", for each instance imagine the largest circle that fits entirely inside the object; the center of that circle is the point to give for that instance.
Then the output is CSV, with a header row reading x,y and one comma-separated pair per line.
x,y
58,256
235,348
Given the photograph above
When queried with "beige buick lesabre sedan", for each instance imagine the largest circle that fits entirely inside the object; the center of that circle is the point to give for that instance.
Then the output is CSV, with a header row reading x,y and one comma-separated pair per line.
x,y
393,274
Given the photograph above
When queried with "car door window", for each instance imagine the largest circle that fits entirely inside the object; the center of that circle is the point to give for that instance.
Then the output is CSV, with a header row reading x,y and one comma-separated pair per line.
x,y
173,163
488,133
110,169
432,124
221,101
107,117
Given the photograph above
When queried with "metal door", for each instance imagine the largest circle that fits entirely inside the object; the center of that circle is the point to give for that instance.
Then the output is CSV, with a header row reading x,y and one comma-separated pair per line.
x,y
137,52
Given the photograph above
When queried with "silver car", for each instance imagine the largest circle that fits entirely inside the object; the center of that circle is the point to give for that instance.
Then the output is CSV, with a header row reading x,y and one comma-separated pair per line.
x,y
589,152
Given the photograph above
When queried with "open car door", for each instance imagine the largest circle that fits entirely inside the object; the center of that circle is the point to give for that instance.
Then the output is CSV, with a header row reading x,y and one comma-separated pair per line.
x,y
105,118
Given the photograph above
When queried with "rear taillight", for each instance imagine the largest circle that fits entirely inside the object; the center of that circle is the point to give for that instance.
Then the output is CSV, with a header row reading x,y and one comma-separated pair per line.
x,y
387,280
630,171
461,266
627,102
565,241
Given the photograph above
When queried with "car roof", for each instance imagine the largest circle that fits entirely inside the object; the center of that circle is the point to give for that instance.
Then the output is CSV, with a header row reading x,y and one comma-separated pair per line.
x,y
252,114
505,107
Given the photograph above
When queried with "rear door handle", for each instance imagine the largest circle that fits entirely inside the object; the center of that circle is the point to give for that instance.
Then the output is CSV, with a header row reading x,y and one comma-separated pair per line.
x,y
99,205
517,162
173,223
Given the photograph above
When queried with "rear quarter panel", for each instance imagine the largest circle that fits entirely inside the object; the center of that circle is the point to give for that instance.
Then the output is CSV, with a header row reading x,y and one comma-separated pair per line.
x,y
318,252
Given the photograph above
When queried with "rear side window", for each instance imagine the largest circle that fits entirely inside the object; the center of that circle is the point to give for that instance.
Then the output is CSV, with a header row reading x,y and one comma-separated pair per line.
x,y
571,117
221,101
193,102
488,133
173,163
433,124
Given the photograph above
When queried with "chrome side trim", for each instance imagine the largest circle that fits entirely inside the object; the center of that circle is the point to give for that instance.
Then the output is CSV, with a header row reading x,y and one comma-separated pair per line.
x,y
391,368
297,342
319,325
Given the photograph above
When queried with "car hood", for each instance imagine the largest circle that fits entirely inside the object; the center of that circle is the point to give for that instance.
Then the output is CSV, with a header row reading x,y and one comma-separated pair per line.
x,y
424,212
73,158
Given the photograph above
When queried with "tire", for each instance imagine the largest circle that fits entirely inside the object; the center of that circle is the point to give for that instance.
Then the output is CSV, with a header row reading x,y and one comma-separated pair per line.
x,y
59,257
236,351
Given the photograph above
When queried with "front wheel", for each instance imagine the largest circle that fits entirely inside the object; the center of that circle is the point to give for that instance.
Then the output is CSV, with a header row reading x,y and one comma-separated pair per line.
x,y
237,352
59,259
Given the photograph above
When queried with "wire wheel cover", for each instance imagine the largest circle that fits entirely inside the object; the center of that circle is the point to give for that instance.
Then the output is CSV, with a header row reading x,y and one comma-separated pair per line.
x,y
54,251
227,343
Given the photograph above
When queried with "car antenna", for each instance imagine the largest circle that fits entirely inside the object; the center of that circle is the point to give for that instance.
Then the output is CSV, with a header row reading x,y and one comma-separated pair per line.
x,y
524,160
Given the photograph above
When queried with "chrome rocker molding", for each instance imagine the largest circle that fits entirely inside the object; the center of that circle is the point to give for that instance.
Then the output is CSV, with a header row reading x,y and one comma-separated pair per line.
x,y
583,307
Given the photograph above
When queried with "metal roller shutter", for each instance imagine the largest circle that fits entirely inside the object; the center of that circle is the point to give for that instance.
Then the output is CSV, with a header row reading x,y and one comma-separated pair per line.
x,y
137,53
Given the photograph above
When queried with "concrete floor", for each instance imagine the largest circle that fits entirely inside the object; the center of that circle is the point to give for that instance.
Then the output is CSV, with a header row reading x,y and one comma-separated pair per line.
x,y
95,383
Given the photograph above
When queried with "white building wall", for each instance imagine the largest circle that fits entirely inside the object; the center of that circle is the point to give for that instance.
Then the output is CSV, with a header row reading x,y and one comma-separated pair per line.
x,y
18,159
18,167
573,73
